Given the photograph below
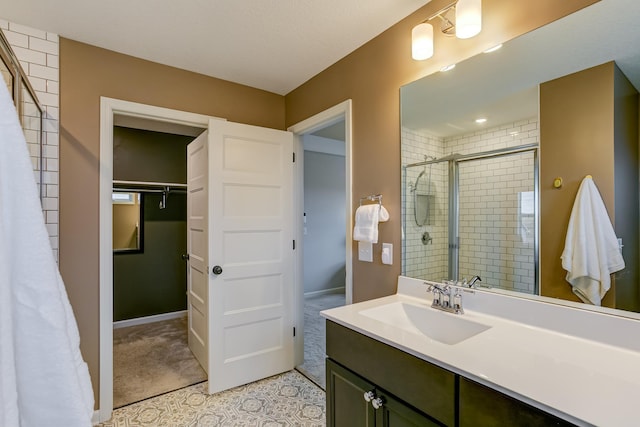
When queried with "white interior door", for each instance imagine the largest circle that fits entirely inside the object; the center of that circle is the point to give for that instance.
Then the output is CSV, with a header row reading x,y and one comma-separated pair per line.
x,y
197,248
251,241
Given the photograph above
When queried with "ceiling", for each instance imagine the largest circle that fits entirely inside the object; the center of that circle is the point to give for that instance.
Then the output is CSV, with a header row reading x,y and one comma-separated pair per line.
x,y
503,86
274,45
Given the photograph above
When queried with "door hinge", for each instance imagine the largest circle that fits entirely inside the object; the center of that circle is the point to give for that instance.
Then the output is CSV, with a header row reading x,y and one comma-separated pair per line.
x,y
294,331
294,157
294,245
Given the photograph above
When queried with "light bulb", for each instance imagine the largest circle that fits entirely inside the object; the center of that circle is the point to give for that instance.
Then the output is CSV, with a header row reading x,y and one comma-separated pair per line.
x,y
468,18
422,42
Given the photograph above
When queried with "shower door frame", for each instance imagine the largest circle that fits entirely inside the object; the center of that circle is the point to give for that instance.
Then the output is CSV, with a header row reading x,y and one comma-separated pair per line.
x,y
454,201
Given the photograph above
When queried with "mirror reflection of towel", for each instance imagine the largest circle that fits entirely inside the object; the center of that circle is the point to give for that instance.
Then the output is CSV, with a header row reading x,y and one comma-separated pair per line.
x,y
591,252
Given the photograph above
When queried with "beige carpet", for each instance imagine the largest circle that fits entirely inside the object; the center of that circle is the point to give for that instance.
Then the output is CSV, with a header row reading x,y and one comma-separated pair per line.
x,y
152,359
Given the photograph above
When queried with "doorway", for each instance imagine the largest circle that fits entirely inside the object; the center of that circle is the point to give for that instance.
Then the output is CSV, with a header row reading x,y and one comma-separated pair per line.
x,y
138,116
151,355
324,280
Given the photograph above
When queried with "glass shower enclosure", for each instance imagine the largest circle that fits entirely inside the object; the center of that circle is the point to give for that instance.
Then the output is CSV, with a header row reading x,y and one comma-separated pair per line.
x,y
473,214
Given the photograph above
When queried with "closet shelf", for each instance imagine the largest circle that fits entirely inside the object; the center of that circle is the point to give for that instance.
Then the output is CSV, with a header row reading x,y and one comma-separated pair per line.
x,y
146,184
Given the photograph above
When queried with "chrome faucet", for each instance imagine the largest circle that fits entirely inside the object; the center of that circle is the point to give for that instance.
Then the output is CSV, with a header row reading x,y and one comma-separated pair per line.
x,y
443,300
472,282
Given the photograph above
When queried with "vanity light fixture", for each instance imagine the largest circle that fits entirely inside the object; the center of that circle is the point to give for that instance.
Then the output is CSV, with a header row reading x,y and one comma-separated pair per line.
x,y
466,23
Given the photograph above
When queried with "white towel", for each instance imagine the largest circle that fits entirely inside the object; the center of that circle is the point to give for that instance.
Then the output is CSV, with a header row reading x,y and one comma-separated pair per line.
x,y
43,379
591,252
367,219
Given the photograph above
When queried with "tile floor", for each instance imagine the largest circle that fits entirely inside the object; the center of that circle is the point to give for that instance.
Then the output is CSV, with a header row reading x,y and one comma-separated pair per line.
x,y
287,399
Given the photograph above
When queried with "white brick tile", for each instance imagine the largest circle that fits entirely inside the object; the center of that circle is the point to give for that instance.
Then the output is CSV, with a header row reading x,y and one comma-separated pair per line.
x,y
53,87
52,138
53,37
17,39
51,217
50,177
43,45
38,84
52,112
44,72
50,99
53,61
50,151
27,55
22,29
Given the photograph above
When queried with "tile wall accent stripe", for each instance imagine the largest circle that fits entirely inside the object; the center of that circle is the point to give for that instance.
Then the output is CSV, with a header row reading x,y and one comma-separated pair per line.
x,y
38,53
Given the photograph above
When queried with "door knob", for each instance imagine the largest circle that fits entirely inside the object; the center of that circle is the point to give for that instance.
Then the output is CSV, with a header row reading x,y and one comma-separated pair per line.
x,y
185,257
216,270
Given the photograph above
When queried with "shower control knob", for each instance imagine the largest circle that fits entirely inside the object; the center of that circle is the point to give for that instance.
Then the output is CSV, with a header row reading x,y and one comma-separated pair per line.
x,y
216,270
369,395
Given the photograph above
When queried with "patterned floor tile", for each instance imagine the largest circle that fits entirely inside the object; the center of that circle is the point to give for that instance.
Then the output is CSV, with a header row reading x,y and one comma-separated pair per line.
x,y
287,399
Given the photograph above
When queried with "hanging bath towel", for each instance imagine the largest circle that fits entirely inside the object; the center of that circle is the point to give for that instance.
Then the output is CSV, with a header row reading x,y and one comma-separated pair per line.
x,y
367,219
591,252
43,378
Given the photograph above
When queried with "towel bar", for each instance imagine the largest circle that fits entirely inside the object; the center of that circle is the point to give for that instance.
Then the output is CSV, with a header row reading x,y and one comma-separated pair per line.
x,y
373,198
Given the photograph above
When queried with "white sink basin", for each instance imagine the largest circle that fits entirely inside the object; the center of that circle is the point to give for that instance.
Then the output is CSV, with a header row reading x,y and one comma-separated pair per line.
x,y
444,327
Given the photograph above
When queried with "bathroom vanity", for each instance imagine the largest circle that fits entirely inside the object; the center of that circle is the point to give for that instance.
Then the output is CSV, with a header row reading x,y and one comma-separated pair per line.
x,y
395,361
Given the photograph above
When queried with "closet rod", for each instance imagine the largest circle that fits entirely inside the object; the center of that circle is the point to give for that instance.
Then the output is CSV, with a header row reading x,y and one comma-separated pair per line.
x,y
148,184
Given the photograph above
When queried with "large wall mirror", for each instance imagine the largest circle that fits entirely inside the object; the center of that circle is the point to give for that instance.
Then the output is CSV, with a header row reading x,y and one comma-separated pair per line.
x,y
471,151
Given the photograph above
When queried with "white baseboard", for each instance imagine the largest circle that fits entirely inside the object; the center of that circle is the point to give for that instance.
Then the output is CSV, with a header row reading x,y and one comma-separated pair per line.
x,y
149,319
324,291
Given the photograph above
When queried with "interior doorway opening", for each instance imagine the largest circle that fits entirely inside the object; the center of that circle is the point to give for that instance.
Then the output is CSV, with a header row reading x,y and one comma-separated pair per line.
x,y
136,116
324,278
151,355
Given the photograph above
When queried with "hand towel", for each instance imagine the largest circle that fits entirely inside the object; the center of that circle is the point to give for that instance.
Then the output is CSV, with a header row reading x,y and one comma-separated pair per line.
x,y
591,252
367,219
43,378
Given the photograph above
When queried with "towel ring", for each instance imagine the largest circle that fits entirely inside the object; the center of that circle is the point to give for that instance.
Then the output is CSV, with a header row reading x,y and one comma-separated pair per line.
x,y
372,198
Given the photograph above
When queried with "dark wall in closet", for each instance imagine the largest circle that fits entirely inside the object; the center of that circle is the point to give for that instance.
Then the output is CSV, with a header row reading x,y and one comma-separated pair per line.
x,y
154,281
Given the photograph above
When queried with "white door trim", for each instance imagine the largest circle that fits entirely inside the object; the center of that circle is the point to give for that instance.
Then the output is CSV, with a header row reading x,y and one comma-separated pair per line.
x,y
108,108
313,123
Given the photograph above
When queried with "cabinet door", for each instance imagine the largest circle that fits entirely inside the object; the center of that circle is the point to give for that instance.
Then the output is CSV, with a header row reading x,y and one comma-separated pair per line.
x,y
346,406
394,413
481,406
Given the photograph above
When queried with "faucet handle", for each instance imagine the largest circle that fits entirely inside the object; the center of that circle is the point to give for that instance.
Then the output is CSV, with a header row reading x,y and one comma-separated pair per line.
x,y
457,302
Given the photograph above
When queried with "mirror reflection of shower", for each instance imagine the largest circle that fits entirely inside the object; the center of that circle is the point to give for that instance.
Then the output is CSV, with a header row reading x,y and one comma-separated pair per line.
x,y
423,196
482,222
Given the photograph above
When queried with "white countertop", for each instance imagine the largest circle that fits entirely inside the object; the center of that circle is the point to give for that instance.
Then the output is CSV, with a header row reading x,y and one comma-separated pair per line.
x,y
584,381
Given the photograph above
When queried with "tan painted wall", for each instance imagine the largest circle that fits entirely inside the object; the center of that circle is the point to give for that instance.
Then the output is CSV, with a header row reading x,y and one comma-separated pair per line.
x,y
576,139
86,73
371,76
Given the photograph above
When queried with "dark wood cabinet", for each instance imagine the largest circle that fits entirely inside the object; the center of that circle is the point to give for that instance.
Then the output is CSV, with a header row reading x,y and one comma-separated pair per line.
x,y
481,406
347,406
412,391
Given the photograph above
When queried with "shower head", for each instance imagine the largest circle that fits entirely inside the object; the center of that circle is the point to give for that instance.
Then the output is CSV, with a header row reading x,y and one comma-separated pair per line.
x,y
413,187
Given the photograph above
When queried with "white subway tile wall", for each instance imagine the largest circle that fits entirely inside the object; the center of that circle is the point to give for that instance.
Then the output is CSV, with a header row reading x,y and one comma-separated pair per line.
x,y
38,53
495,203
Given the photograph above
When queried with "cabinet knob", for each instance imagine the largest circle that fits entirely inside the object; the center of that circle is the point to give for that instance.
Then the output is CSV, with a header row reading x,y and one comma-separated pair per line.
x,y
369,395
377,403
